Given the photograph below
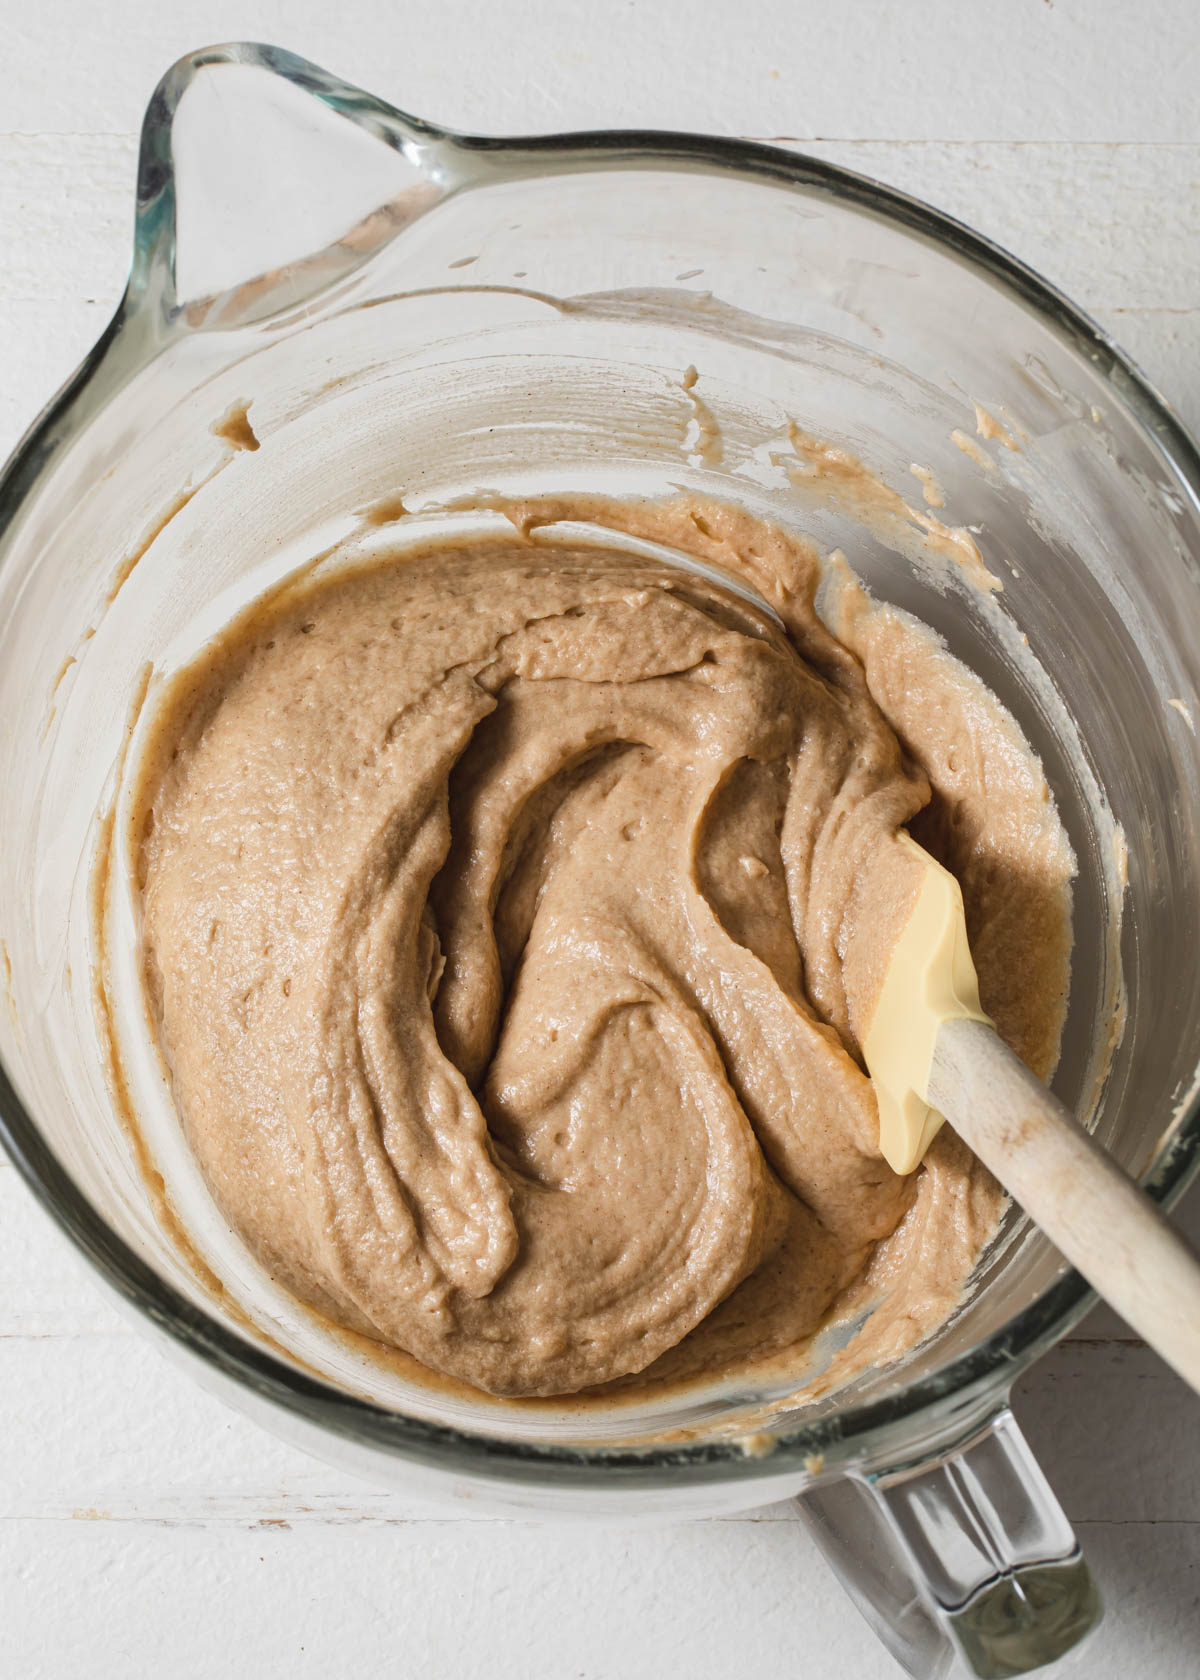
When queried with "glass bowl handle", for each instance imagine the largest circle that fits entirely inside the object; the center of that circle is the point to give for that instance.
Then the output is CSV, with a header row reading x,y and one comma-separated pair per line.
x,y
967,1554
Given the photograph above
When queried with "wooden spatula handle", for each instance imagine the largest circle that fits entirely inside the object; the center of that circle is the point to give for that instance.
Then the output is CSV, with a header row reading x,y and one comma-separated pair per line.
x,y
1093,1213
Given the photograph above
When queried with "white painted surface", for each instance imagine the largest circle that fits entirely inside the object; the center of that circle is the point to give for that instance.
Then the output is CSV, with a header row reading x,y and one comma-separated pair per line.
x,y
145,1530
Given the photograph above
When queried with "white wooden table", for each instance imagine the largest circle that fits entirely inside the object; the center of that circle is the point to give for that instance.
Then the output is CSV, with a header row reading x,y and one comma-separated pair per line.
x,y
145,1530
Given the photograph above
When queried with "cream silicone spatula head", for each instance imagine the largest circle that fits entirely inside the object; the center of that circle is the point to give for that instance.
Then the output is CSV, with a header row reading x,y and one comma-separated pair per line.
x,y
932,1054
929,979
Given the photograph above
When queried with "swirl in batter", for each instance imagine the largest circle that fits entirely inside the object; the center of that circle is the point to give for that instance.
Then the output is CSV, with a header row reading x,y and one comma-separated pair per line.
x,y
500,900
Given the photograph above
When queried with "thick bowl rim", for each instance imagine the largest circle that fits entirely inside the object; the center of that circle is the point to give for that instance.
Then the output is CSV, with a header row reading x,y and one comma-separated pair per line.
x,y
963,1385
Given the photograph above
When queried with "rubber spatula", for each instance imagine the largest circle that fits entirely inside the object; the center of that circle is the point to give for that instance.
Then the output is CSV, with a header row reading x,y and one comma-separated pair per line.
x,y
933,1054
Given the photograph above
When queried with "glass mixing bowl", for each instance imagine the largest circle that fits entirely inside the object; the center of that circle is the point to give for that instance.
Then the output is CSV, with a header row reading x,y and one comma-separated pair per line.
x,y
410,312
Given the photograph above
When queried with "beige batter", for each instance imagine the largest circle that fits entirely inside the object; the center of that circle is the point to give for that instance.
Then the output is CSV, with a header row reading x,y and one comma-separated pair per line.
x,y
511,911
